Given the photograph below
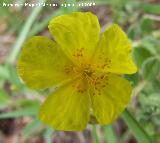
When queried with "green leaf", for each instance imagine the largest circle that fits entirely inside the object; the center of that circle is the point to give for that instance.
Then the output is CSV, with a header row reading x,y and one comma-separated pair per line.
x,y
28,111
41,25
152,8
151,44
136,128
31,128
156,85
151,68
151,100
146,25
4,74
134,79
24,103
24,32
134,31
13,76
3,99
110,136
140,54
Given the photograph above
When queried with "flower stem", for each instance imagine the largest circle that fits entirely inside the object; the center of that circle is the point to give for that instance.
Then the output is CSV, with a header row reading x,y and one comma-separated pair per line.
x,y
94,134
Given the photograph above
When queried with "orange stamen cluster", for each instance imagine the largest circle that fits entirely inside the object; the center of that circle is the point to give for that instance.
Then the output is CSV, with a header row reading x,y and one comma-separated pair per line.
x,y
70,69
88,74
99,82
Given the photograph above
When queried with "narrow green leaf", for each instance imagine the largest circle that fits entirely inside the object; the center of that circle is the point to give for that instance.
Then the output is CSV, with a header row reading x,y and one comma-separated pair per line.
x,y
31,127
13,76
24,32
109,134
41,25
151,8
4,74
4,99
136,128
30,111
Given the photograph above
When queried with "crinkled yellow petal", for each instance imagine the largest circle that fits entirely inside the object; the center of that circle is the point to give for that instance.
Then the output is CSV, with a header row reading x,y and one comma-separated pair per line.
x,y
75,33
113,99
66,109
116,47
41,63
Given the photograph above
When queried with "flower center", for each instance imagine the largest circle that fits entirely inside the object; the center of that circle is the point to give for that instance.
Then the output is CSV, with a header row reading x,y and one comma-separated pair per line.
x,y
91,75
88,72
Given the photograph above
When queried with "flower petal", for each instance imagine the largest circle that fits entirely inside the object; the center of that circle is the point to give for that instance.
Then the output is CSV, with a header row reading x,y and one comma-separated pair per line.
x,y
113,99
66,109
115,47
75,32
41,63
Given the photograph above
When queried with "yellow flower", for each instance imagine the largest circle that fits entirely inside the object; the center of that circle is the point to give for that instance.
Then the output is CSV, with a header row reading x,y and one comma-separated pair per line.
x,y
84,66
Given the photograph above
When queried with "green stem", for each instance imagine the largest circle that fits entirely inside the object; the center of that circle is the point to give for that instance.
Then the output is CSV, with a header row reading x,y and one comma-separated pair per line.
x,y
136,128
48,135
109,134
95,135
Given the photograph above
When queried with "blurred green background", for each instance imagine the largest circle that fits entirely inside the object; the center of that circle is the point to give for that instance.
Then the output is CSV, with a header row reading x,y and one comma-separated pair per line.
x,y
19,105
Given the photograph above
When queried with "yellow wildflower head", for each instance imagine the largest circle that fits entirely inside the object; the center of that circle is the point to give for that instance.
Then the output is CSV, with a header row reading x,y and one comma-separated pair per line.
x,y
86,68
